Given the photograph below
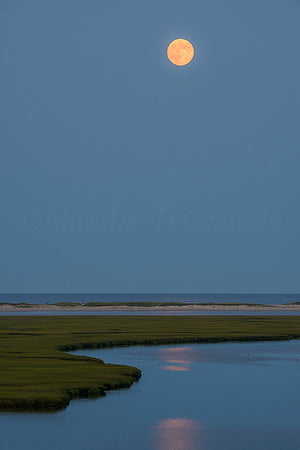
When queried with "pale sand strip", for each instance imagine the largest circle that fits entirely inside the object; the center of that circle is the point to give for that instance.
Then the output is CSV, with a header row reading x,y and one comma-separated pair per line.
x,y
184,308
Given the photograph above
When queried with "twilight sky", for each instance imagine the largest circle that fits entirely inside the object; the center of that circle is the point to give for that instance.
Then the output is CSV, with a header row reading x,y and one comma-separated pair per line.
x,y
123,173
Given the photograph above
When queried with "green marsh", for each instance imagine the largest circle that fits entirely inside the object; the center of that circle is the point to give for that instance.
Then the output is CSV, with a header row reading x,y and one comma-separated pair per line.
x,y
36,373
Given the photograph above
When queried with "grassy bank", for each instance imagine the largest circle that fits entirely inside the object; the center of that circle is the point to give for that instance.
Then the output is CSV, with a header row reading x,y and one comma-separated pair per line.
x,y
37,374
134,304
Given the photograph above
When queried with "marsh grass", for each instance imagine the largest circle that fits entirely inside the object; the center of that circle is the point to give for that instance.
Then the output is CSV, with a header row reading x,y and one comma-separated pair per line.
x,y
36,373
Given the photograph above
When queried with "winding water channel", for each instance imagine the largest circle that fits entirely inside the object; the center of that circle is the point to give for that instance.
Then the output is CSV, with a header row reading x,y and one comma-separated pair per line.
x,y
191,397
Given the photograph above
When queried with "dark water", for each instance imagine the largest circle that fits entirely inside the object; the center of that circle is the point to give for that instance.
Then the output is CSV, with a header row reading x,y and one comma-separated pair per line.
x,y
126,297
229,396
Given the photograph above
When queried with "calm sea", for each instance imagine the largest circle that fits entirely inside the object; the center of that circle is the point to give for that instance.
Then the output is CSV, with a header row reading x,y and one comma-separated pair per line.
x,y
270,299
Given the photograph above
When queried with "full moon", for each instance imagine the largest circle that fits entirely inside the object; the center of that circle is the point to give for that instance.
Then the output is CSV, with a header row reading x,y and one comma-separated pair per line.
x,y
180,52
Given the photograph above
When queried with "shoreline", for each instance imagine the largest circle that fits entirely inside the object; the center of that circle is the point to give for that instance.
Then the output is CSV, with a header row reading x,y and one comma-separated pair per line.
x,y
178,308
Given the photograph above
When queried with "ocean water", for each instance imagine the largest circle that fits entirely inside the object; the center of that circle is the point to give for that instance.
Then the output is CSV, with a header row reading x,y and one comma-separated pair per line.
x,y
140,297
190,397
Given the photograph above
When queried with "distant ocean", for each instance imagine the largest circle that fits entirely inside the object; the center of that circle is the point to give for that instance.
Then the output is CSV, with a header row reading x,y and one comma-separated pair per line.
x,y
270,299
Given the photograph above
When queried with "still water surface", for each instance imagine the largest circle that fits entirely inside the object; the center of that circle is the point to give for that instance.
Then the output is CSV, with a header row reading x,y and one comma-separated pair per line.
x,y
43,298
191,397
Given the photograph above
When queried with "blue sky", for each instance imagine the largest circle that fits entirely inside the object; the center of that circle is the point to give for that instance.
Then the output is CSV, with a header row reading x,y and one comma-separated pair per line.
x,y
123,173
